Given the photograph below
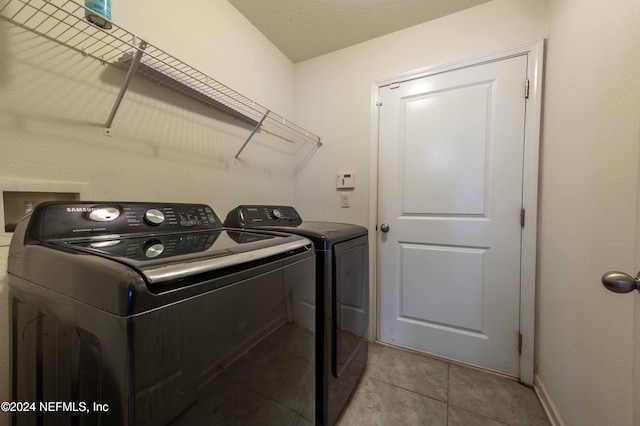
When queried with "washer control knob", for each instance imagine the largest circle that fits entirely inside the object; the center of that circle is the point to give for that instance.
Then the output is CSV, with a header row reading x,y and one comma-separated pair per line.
x,y
154,217
153,248
104,214
276,213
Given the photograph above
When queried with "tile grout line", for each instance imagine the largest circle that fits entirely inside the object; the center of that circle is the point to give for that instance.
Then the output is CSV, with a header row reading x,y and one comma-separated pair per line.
x,y
451,367
405,389
448,390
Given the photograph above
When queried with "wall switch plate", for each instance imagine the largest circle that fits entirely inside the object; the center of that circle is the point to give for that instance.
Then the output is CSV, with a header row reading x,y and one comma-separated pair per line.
x,y
346,181
344,200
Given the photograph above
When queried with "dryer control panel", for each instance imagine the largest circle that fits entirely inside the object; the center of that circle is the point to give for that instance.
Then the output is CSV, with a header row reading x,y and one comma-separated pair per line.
x,y
60,220
262,215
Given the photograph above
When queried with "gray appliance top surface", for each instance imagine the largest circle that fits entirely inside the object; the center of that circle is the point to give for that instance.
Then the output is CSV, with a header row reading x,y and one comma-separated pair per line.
x,y
162,241
127,258
173,256
287,219
316,231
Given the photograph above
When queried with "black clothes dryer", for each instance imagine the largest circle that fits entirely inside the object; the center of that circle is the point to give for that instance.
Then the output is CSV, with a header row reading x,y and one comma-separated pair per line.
x,y
342,298
150,314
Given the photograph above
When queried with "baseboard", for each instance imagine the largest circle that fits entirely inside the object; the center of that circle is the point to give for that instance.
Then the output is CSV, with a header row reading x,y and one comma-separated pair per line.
x,y
550,409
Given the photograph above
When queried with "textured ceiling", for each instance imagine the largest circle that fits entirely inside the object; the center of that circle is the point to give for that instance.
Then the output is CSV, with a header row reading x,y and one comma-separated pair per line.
x,y
303,29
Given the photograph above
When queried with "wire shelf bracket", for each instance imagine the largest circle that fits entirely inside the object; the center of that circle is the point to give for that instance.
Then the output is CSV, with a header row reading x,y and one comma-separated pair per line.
x,y
64,22
132,70
255,129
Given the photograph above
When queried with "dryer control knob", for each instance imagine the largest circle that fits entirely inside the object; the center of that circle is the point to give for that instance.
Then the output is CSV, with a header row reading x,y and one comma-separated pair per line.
x,y
154,217
276,213
153,248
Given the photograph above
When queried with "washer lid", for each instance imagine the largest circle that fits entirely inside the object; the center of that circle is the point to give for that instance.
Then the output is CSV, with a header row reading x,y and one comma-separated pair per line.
x,y
287,219
330,231
323,234
169,257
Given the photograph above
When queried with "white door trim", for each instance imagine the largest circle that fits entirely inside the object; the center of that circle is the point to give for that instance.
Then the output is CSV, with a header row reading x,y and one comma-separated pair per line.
x,y
535,53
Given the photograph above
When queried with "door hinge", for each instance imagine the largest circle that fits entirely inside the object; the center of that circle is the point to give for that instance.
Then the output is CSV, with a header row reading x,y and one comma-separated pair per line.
x,y
379,102
526,89
519,343
522,214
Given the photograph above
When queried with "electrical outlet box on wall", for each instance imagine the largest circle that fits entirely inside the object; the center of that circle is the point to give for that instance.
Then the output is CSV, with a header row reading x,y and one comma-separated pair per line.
x,y
20,196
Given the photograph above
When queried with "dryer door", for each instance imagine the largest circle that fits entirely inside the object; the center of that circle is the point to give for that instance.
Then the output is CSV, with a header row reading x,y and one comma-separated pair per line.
x,y
351,308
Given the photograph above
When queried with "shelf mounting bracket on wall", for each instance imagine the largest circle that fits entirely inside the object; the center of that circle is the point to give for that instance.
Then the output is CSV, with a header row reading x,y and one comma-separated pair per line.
x,y
130,74
252,133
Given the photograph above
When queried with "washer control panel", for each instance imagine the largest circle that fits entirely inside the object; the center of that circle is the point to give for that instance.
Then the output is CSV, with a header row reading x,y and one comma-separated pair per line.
x,y
262,215
159,246
57,220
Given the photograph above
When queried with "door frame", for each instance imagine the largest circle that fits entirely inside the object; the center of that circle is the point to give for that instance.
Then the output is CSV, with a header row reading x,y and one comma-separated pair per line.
x,y
535,53
635,360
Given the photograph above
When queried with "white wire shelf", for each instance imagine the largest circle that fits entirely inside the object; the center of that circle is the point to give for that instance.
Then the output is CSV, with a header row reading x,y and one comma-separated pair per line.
x,y
63,21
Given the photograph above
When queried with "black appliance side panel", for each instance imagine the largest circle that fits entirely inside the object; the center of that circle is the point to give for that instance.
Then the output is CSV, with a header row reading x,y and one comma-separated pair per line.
x,y
228,356
64,351
247,350
324,325
347,322
351,310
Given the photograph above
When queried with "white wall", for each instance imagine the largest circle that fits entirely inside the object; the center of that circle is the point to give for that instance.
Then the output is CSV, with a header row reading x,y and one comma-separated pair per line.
x,y
588,170
334,91
587,208
54,103
165,147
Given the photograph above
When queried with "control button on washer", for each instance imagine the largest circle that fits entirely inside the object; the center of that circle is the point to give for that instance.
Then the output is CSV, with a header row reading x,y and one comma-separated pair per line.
x,y
104,214
154,217
153,249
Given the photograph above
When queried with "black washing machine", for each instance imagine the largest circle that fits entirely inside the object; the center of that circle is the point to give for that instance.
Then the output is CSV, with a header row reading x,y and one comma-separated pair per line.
x,y
342,298
151,313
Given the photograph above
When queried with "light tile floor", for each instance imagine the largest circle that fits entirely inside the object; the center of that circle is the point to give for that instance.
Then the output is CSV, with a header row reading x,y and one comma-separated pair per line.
x,y
401,388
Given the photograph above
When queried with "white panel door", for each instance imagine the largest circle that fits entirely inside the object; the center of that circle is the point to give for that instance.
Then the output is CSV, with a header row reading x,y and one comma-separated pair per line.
x,y
450,189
